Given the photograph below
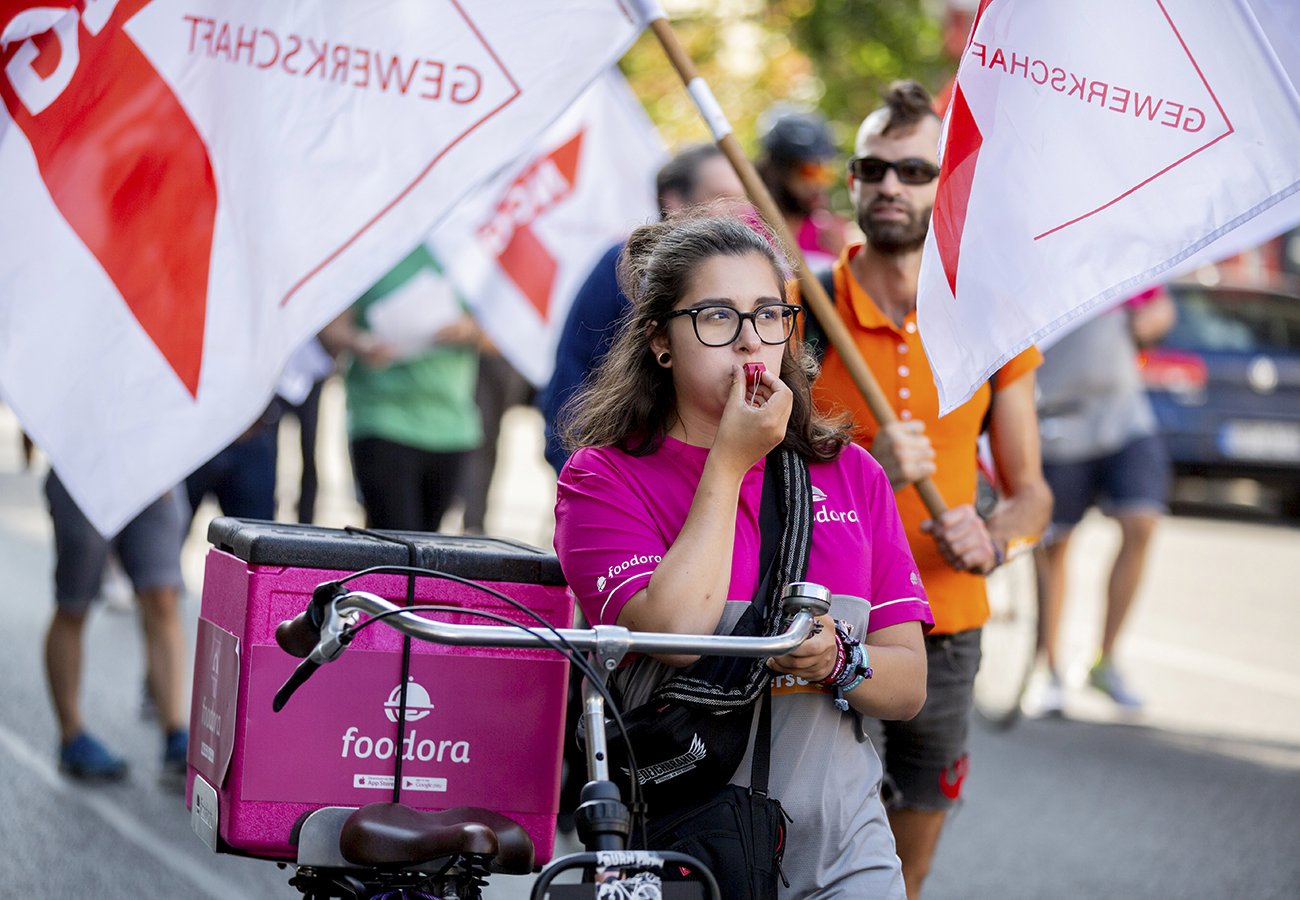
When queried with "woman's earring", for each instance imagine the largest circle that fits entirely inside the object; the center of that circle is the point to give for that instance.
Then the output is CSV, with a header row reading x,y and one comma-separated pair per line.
x,y
664,358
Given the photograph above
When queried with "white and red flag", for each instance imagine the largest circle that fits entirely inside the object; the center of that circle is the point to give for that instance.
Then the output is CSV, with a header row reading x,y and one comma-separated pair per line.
x,y
191,189
1094,147
520,247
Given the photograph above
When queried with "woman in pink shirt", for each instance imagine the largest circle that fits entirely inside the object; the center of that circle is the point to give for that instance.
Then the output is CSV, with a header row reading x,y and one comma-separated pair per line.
x,y
657,526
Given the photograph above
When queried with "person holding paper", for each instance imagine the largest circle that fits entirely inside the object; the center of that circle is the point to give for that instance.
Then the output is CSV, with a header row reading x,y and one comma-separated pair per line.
x,y
412,419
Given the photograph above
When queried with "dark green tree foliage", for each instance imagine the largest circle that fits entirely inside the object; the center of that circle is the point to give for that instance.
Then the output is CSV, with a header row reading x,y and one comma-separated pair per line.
x,y
857,47
836,55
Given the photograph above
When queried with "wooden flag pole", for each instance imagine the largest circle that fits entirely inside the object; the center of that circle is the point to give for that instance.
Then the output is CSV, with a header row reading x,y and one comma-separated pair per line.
x,y
810,288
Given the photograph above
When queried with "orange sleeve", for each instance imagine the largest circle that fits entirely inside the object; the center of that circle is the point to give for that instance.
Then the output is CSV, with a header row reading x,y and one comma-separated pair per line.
x,y
1020,365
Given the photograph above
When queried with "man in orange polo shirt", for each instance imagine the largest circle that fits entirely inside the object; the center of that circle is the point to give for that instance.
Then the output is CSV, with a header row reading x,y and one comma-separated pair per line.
x,y
892,182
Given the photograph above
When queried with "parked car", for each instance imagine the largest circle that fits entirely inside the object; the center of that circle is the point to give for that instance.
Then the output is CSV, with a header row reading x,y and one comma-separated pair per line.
x,y
1225,384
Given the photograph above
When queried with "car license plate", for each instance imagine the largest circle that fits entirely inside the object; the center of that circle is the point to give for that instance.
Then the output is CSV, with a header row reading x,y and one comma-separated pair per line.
x,y
1269,441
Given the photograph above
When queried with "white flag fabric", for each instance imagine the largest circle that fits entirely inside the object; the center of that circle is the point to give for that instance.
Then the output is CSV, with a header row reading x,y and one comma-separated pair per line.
x,y
1092,148
192,189
521,246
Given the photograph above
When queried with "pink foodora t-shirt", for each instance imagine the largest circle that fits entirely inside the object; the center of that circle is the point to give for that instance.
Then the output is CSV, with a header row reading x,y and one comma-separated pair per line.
x,y
616,515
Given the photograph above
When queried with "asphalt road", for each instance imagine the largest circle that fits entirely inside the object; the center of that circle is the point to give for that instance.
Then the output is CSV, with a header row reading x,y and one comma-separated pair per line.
x,y
1199,797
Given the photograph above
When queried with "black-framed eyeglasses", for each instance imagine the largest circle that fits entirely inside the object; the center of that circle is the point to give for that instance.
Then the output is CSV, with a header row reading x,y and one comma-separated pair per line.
x,y
718,326
872,169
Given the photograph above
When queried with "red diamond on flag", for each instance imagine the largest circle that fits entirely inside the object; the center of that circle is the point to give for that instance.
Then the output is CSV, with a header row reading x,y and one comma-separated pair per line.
x,y
956,176
127,169
509,233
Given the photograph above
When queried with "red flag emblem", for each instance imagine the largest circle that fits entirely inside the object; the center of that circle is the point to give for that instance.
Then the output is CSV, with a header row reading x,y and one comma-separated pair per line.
x,y
124,165
521,254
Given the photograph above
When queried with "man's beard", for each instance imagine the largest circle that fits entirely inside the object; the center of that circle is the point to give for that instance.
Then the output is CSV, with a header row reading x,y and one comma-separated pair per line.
x,y
894,237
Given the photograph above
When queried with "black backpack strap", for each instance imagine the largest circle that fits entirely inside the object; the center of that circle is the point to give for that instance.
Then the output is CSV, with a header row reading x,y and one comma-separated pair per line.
x,y
761,759
769,531
795,547
724,682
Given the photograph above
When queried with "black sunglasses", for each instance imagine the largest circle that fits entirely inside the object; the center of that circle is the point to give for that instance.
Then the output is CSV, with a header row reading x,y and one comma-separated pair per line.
x,y
872,169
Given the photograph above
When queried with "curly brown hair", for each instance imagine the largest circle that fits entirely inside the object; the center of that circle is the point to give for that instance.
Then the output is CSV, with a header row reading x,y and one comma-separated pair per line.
x,y
629,401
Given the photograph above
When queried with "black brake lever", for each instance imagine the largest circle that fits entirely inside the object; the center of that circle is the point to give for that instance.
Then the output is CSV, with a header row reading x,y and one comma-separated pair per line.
x,y
308,666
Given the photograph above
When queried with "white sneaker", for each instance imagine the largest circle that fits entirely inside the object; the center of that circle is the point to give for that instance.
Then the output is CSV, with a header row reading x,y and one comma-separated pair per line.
x,y
1052,701
1045,696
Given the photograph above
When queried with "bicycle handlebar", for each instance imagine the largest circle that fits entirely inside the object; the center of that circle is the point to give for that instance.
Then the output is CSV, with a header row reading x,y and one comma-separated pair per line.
x,y
298,636
332,615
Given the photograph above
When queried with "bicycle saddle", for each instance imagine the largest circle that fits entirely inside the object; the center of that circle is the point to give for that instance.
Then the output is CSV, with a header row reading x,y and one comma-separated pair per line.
x,y
393,834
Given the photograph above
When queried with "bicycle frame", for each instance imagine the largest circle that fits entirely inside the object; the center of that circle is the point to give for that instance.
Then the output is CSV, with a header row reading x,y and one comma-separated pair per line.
x,y
605,829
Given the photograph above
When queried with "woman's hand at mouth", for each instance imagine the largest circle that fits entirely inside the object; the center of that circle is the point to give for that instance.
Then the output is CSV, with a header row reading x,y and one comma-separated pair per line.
x,y
753,421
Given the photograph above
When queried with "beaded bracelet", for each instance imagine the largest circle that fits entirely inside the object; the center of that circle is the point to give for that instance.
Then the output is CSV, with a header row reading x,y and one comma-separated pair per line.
x,y
854,652
841,659
843,643
862,671
852,666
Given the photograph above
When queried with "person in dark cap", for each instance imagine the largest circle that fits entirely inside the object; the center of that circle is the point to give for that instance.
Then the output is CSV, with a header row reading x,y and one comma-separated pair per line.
x,y
795,165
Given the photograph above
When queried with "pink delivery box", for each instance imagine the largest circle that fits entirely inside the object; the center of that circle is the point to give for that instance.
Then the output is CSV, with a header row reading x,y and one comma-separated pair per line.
x,y
483,726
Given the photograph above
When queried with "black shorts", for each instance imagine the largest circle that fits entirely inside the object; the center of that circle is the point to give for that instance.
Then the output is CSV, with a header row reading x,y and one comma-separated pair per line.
x,y
925,758
149,547
1133,479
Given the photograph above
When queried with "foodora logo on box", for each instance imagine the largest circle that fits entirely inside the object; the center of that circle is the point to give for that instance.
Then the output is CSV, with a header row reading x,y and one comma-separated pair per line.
x,y
418,703
357,745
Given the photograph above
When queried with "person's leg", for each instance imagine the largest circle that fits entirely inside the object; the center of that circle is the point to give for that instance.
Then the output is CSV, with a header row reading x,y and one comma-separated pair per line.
x,y
204,480
926,760
1050,559
245,484
1136,484
491,395
164,647
308,414
916,836
80,554
63,643
150,550
81,755
1073,487
1125,576
1137,490
440,481
389,478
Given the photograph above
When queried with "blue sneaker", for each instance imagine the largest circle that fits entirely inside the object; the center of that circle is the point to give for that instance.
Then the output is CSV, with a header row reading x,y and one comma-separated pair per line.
x,y
86,759
175,751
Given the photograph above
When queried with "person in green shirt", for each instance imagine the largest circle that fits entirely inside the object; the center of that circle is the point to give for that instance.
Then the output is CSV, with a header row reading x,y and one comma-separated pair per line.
x,y
412,419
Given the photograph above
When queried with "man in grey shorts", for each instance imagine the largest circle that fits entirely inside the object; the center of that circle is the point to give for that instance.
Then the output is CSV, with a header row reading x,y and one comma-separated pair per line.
x,y
1101,446
149,547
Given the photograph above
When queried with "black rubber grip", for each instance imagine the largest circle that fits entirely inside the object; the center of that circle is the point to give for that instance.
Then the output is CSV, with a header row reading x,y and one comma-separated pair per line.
x,y
298,636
